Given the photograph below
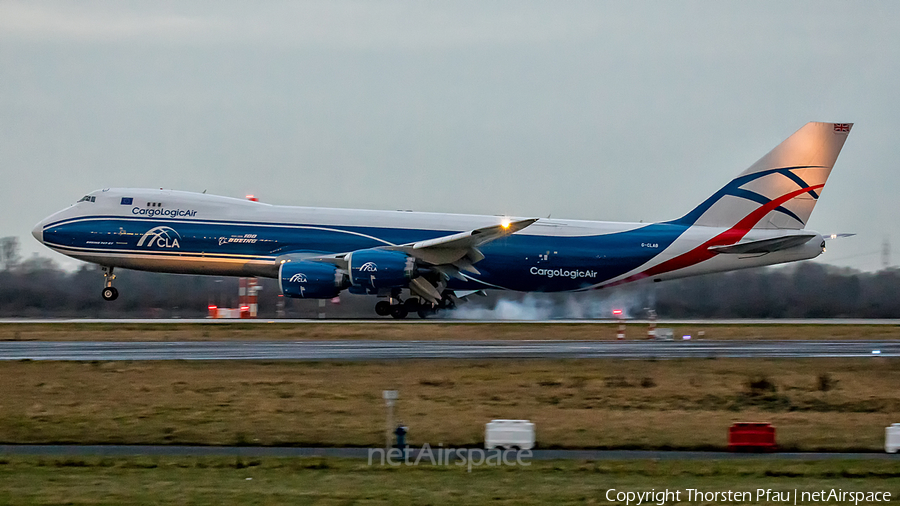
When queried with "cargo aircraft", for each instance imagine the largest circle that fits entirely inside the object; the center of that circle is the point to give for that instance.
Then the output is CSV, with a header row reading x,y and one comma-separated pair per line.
x,y
421,262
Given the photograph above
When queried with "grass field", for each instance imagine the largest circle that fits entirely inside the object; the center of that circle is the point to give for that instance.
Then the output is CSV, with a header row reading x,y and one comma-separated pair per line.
x,y
815,403
414,331
337,481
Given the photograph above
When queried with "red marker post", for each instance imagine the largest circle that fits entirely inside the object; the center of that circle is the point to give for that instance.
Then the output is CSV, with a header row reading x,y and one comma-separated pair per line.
x,y
620,335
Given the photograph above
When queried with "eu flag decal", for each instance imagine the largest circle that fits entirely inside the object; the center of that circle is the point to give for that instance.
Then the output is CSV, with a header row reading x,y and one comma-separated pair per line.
x,y
126,201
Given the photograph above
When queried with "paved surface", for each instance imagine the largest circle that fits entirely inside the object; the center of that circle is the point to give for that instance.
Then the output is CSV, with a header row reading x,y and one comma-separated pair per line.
x,y
363,453
438,321
379,350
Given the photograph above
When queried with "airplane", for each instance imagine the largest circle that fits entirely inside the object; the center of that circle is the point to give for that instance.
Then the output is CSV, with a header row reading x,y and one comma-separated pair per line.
x,y
421,262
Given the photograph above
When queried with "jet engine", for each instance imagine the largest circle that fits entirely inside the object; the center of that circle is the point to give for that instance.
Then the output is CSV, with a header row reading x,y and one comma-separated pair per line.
x,y
311,280
377,268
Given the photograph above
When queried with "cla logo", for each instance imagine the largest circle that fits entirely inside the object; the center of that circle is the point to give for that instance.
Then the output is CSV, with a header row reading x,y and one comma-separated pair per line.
x,y
368,267
298,278
162,237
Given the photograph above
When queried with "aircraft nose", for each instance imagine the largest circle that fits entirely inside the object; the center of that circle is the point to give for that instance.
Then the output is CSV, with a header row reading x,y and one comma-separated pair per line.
x,y
38,232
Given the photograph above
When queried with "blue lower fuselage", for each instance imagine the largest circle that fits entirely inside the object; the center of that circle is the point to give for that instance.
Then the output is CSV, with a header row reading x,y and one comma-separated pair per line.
x,y
520,262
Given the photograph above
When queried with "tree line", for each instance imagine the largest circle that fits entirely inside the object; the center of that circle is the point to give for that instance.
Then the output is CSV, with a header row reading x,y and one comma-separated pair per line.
x,y
37,288
803,290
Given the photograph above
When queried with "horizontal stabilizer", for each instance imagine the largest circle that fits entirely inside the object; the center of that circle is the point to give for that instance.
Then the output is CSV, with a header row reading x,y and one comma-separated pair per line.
x,y
764,245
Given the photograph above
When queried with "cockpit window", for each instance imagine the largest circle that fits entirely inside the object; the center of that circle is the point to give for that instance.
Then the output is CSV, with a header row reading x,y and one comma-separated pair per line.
x,y
88,198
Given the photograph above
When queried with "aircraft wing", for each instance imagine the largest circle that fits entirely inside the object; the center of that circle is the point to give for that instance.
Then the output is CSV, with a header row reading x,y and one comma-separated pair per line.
x,y
448,253
474,238
764,245
455,252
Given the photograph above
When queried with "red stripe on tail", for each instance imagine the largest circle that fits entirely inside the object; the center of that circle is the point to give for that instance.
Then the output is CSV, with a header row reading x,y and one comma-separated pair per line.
x,y
728,237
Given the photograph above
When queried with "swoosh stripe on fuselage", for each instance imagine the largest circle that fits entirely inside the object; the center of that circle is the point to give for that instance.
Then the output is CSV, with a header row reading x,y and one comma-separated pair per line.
x,y
506,265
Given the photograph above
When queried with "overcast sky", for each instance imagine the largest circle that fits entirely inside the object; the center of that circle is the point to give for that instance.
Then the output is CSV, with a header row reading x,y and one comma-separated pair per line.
x,y
619,111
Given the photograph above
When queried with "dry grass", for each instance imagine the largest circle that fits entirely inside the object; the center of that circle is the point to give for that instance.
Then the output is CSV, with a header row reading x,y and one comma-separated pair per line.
x,y
418,331
815,404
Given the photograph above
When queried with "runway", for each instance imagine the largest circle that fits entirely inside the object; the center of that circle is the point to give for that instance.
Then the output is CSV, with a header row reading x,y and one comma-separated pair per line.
x,y
390,350
363,453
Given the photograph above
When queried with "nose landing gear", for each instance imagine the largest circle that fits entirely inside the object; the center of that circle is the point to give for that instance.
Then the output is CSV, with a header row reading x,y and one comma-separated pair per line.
x,y
109,292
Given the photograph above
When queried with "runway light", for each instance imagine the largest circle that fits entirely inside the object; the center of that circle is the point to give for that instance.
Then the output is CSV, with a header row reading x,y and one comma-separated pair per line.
x,y
876,352
617,312
245,308
212,307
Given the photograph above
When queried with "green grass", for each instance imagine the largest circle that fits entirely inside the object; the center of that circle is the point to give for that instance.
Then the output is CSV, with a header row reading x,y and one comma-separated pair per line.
x,y
182,480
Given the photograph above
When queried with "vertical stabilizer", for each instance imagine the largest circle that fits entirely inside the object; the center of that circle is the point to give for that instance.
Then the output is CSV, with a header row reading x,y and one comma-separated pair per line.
x,y
780,190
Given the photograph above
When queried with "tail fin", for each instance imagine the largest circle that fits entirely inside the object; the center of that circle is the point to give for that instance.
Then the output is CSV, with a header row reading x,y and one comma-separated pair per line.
x,y
780,190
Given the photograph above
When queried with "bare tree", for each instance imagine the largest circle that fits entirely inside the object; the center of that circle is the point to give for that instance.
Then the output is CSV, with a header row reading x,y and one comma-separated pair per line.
x,y
9,252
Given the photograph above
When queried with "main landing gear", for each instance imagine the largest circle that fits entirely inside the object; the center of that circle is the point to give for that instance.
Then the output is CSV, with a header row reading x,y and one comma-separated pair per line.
x,y
401,309
109,291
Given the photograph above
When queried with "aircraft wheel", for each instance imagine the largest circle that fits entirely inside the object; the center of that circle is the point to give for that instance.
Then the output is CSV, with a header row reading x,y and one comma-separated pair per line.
x,y
383,308
399,311
110,293
412,305
425,312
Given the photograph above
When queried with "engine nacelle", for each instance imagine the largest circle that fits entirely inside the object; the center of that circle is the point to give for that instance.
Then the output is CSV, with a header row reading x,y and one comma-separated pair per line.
x,y
377,268
311,280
